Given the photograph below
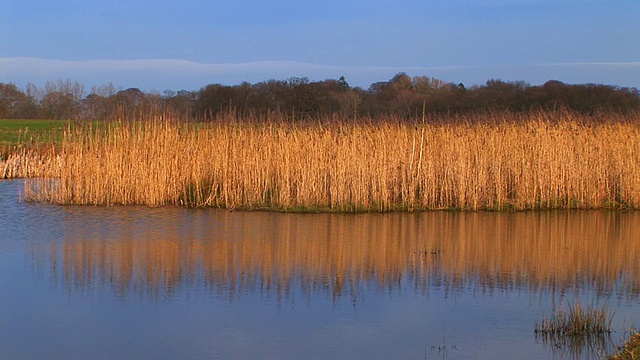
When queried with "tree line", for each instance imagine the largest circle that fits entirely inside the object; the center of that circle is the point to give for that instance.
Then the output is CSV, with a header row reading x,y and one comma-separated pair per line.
x,y
402,96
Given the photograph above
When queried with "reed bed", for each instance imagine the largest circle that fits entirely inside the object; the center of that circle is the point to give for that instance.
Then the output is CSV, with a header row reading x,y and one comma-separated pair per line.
x,y
491,161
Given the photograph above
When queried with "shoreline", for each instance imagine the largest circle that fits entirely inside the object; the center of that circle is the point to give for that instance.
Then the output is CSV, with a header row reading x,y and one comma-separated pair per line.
x,y
629,350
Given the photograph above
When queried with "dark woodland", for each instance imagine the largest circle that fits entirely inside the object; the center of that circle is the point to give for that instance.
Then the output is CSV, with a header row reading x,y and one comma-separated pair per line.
x,y
402,97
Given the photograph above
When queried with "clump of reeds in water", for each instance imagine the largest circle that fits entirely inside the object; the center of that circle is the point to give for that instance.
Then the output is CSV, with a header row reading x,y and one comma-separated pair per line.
x,y
576,329
487,161
576,321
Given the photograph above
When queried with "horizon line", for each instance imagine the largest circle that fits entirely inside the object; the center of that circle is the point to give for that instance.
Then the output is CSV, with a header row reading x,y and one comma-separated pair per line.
x,y
171,73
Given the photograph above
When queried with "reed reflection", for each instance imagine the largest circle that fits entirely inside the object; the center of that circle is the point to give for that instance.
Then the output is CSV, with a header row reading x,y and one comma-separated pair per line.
x,y
234,253
588,346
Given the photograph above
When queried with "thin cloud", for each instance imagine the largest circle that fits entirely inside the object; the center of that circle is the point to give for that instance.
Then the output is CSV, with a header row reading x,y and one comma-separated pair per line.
x,y
160,74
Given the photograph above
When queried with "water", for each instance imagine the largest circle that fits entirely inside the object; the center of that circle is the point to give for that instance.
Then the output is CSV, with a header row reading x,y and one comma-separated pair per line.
x,y
173,283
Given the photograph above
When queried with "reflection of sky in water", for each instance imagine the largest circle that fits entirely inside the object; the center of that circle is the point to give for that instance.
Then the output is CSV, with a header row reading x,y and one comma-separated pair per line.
x,y
177,283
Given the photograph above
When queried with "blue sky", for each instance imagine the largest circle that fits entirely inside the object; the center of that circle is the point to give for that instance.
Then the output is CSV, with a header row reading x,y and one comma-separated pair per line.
x,y
187,44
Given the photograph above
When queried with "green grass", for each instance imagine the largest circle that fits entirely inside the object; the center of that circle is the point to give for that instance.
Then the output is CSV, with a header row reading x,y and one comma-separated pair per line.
x,y
15,132
17,135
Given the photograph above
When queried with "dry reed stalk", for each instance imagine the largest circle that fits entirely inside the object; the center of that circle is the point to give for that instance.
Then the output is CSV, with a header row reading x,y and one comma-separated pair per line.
x,y
630,350
28,164
495,161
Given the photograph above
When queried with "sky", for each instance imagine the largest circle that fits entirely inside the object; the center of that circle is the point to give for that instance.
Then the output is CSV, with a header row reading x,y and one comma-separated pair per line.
x,y
162,44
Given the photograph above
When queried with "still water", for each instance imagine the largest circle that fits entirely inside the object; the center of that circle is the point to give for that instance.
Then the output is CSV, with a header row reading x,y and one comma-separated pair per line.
x,y
173,283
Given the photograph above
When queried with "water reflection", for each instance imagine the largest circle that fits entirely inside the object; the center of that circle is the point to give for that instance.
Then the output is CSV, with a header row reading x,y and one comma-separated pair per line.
x,y
159,252
412,286
585,346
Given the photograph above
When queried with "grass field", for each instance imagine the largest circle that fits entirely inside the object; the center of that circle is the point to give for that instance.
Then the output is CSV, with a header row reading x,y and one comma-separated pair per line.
x,y
16,135
490,161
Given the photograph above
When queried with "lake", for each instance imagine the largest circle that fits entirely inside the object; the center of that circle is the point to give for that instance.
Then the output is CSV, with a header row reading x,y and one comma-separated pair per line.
x,y
174,283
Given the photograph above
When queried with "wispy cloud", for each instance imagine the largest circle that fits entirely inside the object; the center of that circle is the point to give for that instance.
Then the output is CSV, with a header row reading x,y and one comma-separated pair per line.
x,y
160,74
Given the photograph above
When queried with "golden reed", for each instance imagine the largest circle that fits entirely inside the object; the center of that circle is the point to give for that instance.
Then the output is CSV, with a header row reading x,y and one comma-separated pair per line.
x,y
28,164
490,161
